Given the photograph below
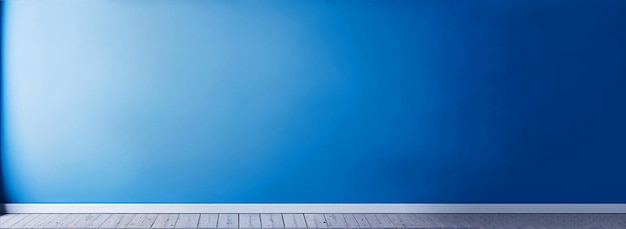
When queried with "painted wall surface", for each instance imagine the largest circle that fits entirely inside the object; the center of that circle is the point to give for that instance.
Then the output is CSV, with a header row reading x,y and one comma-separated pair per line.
x,y
314,101
3,197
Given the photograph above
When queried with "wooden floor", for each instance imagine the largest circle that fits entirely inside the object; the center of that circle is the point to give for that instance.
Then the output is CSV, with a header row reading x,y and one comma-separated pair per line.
x,y
613,221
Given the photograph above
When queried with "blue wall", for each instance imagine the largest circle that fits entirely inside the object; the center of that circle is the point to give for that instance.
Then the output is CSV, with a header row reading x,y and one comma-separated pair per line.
x,y
314,101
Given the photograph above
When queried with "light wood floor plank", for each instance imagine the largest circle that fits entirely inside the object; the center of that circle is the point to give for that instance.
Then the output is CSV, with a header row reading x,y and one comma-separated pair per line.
x,y
126,218
249,221
171,221
12,220
360,218
272,221
397,221
67,221
112,221
148,221
4,218
228,221
45,220
335,221
379,221
208,221
351,221
315,221
408,220
422,220
34,222
25,221
160,221
165,221
54,223
187,221
136,221
294,221
84,221
78,220
99,221
546,221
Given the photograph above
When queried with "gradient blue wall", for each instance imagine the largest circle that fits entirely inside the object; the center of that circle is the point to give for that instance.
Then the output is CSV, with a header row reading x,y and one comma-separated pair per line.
x,y
314,101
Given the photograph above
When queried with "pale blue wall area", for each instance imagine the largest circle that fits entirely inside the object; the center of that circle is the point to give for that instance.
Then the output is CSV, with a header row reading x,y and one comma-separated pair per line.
x,y
314,101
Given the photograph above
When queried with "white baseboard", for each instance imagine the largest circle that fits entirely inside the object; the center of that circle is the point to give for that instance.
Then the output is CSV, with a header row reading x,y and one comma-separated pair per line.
x,y
315,208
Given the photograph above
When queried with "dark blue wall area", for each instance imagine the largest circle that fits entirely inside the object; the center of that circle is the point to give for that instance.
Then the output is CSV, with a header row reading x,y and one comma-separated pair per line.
x,y
314,101
3,198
